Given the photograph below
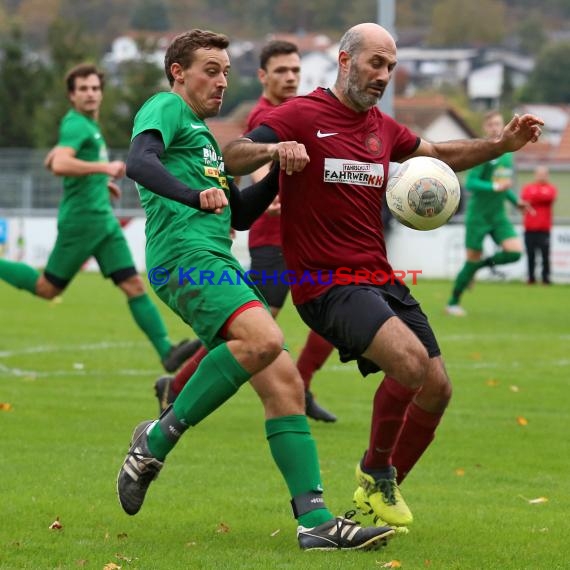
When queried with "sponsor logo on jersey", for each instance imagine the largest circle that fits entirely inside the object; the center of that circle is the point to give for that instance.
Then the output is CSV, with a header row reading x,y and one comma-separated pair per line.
x,y
340,171
322,135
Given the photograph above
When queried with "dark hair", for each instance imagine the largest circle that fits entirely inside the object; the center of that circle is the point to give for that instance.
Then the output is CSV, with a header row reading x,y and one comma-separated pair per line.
x,y
276,47
82,70
183,46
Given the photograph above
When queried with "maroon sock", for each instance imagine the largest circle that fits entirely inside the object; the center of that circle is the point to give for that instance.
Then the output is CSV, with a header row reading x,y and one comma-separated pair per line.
x,y
390,404
418,432
184,374
313,356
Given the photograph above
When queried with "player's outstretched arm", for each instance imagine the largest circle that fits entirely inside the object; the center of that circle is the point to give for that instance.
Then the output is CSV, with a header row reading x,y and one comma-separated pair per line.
x,y
61,160
260,146
145,168
248,204
467,153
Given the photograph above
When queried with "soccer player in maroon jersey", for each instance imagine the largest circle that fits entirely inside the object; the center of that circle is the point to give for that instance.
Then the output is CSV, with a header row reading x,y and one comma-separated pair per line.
x,y
278,73
334,172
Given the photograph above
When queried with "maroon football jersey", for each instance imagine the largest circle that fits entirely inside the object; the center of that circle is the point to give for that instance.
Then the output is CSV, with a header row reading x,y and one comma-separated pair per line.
x,y
266,230
331,211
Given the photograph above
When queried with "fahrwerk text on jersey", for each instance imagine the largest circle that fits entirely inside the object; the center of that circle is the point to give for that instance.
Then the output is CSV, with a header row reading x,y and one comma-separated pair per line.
x,y
338,170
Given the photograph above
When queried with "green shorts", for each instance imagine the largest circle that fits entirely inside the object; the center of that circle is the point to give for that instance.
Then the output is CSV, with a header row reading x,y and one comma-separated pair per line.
x,y
76,243
499,229
207,295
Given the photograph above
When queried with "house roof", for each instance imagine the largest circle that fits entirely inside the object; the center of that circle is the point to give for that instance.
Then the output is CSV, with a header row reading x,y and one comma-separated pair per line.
x,y
419,113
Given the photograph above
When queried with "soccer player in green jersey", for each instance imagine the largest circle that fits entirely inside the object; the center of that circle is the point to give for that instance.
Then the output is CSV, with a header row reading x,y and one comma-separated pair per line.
x,y
190,205
490,185
86,223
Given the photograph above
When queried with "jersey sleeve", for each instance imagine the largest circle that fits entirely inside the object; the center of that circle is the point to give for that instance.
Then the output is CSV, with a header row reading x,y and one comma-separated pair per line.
x,y
404,141
160,113
283,119
71,133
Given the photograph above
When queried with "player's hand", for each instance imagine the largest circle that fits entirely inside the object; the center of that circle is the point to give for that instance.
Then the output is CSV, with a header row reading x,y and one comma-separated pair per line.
x,y
114,190
116,169
213,200
291,155
274,209
49,158
502,185
525,206
520,131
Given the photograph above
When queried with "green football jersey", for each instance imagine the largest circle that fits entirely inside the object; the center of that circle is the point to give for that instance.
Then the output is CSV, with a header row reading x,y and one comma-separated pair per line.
x,y
192,155
84,197
484,202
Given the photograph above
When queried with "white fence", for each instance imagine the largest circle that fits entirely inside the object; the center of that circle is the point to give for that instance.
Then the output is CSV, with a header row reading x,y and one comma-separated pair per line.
x,y
437,254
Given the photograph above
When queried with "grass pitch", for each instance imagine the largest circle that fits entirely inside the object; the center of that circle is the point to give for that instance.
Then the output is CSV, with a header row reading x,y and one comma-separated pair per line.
x,y
75,377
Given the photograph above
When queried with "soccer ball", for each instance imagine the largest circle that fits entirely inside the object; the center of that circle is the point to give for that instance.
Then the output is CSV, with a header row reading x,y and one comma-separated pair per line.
x,y
422,192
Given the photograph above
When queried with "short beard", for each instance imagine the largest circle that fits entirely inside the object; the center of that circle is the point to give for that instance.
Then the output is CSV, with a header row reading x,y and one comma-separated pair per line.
x,y
359,98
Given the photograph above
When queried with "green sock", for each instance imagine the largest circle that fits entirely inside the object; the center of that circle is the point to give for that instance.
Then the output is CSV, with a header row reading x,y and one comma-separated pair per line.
x,y
19,275
148,319
295,453
463,279
501,258
217,379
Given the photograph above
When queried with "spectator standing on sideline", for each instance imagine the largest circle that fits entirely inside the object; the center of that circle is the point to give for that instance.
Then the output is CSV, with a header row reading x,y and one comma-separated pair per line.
x,y
331,197
540,194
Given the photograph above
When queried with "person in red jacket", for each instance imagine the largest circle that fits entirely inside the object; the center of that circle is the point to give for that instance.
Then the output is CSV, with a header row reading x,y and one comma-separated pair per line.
x,y
540,194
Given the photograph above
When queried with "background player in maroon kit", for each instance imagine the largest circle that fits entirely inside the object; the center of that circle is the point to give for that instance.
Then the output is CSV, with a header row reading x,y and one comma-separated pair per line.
x,y
332,181
278,73
540,194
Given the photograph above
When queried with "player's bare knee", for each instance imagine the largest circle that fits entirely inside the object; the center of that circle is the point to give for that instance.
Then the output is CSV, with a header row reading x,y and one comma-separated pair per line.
x,y
46,290
414,368
133,286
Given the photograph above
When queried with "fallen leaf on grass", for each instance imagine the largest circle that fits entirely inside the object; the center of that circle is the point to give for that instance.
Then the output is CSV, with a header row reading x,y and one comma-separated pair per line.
x,y
124,558
391,564
475,356
5,407
223,528
111,566
537,501
522,421
460,472
427,562
514,388
81,563
275,532
122,536
56,525
191,543
492,382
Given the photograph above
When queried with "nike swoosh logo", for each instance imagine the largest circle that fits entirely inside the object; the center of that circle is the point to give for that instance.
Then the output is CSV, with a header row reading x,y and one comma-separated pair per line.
x,y
196,126
321,135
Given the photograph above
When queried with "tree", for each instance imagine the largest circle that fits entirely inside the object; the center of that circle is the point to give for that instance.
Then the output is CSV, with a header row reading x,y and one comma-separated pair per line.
x,y
23,80
69,45
550,80
150,15
459,23
531,33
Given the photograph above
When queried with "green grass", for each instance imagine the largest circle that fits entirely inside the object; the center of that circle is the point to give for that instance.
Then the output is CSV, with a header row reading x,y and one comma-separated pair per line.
x,y
79,376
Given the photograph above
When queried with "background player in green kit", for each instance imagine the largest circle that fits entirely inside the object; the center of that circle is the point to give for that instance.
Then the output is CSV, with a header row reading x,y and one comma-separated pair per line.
x,y
190,206
490,185
86,223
